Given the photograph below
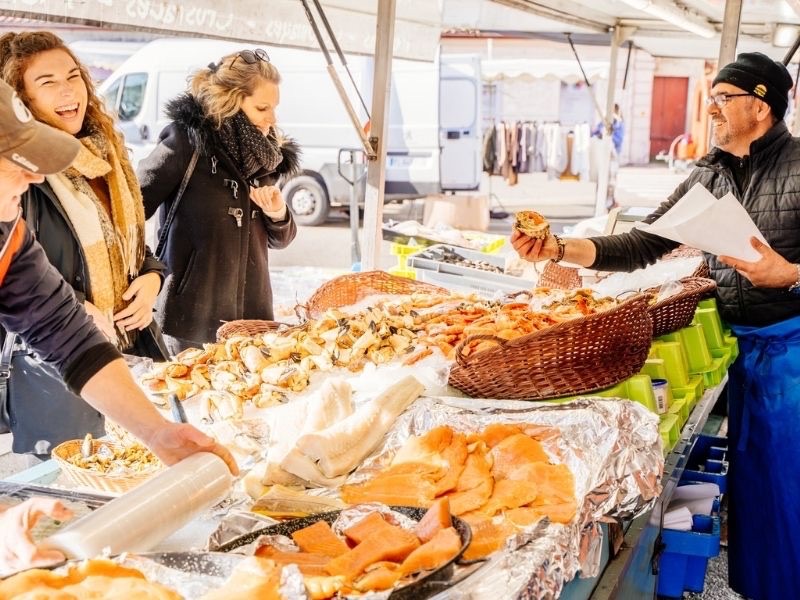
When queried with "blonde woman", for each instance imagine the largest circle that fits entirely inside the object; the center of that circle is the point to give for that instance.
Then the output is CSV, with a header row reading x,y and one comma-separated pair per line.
x,y
231,212
89,218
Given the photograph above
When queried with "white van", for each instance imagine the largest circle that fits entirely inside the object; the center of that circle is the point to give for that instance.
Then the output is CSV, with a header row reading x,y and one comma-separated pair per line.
x,y
420,155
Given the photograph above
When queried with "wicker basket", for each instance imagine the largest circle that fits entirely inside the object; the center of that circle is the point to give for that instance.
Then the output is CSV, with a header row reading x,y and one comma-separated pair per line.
x,y
350,289
574,357
115,484
248,328
676,312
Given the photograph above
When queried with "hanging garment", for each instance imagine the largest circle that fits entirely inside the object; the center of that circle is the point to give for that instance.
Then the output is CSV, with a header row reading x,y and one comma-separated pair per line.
x,y
579,161
764,454
489,156
538,161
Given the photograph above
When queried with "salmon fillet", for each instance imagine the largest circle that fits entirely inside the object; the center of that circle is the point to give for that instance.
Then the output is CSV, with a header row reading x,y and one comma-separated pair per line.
x,y
514,452
393,544
444,546
436,518
319,538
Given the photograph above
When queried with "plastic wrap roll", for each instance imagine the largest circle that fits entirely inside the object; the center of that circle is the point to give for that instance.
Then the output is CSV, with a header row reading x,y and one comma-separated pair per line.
x,y
141,518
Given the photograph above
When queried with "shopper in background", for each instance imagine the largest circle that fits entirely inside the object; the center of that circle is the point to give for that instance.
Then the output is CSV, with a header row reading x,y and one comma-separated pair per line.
x,y
757,160
90,221
40,306
617,130
231,211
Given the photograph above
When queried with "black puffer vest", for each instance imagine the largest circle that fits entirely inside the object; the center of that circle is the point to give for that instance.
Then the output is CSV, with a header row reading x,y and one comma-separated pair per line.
x,y
772,198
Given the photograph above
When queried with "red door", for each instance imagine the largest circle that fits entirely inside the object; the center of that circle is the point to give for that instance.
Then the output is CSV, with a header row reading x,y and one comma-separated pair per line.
x,y
668,116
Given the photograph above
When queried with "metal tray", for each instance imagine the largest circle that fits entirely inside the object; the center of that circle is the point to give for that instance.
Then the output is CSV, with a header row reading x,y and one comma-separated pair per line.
x,y
425,584
424,261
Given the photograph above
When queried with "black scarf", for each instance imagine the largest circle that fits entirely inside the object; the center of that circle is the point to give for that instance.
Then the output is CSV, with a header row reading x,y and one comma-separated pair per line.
x,y
250,149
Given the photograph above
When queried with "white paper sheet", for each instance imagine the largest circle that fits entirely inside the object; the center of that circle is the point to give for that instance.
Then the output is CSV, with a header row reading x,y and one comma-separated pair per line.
x,y
719,226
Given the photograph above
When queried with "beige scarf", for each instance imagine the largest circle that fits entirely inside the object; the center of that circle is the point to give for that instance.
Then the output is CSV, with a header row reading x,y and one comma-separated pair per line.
x,y
113,244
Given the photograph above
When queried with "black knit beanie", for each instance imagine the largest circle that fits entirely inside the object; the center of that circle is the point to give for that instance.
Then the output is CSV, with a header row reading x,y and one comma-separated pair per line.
x,y
758,74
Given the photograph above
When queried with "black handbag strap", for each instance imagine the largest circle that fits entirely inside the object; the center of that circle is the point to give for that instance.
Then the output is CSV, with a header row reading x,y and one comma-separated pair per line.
x,y
162,236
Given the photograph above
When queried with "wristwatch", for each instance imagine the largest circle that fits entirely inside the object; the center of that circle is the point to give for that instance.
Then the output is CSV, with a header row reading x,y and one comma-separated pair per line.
x,y
795,287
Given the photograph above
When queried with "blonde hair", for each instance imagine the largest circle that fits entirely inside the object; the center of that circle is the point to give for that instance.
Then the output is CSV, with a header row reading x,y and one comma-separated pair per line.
x,y
16,52
222,87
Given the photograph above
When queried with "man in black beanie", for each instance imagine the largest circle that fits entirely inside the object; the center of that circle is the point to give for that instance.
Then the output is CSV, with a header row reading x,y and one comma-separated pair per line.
x,y
756,159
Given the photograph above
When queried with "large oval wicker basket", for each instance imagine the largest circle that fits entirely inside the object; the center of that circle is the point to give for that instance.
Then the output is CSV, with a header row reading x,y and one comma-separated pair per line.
x,y
346,290
574,357
677,311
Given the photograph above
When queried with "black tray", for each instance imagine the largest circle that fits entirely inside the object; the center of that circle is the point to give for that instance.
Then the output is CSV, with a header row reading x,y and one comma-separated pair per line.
x,y
423,585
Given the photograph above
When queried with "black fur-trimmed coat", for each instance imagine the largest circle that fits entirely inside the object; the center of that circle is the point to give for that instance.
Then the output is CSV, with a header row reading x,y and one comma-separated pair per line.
x,y
217,249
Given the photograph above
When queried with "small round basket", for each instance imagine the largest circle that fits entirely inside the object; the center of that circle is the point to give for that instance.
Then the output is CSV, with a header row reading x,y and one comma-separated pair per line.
x,y
114,484
248,328
677,311
350,289
574,357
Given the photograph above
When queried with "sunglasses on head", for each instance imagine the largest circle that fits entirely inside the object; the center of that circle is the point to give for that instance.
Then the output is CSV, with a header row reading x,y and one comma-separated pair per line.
x,y
251,57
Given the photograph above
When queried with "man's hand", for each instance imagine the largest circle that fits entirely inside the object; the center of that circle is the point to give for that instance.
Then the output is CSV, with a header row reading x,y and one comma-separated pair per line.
x,y
175,441
142,294
770,271
268,198
534,250
17,548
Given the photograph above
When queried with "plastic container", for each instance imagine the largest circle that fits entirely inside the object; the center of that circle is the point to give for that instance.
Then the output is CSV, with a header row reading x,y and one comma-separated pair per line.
x,y
683,564
708,462
662,395
670,426
676,367
143,517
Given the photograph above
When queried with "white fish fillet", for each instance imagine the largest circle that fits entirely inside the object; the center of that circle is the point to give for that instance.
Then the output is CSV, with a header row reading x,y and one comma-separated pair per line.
x,y
290,421
342,446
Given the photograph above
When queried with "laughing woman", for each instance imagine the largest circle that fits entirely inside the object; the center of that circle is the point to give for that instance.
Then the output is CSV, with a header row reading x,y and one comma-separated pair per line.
x,y
232,211
89,218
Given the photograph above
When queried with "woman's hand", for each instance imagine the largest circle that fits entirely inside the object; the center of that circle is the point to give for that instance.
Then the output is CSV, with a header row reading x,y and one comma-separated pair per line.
x,y
268,198
142,294
101,321
17,548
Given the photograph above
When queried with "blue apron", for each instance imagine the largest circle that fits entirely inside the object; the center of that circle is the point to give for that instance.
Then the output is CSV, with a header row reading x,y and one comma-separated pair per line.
x,y
764,452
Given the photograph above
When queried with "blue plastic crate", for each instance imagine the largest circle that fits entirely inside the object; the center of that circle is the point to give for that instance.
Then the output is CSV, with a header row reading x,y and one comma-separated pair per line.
x,y
683,563
707,462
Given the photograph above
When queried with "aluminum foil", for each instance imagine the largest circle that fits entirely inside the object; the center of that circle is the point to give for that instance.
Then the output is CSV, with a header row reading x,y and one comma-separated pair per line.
x,y
613,449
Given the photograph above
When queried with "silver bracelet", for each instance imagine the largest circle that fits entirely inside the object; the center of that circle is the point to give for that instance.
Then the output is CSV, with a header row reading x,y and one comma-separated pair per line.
x,y
795,287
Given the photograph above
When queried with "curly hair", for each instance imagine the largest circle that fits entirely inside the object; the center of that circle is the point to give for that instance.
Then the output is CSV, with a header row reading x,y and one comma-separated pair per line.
x,y
222,87
16,52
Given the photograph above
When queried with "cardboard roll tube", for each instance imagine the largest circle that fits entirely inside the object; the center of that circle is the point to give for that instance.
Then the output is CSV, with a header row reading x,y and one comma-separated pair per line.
x,y
141,518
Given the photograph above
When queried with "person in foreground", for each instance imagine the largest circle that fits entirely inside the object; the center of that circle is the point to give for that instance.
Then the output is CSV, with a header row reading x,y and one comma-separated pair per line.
x,y
89,219
39,305
758,161
232,211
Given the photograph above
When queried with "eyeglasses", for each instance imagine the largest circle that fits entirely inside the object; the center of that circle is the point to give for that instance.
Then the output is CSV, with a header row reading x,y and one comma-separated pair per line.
x,y
251,57
722,99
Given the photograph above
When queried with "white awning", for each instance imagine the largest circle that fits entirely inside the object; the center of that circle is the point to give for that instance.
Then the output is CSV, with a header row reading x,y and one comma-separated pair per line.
x,y
565,70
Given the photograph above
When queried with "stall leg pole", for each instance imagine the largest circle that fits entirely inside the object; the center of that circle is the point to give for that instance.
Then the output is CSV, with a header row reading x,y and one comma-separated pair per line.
x,y
376,169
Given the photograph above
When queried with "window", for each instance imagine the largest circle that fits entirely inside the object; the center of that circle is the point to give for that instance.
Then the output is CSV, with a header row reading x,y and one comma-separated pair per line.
x,y
110,96
132,96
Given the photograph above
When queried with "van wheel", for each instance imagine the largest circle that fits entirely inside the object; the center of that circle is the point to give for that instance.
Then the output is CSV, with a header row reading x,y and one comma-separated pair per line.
x,y
307,199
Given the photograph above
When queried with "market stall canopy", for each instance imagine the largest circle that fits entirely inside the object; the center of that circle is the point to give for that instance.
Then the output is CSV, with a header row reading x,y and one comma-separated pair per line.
x,y
275,22
686,29
566,70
